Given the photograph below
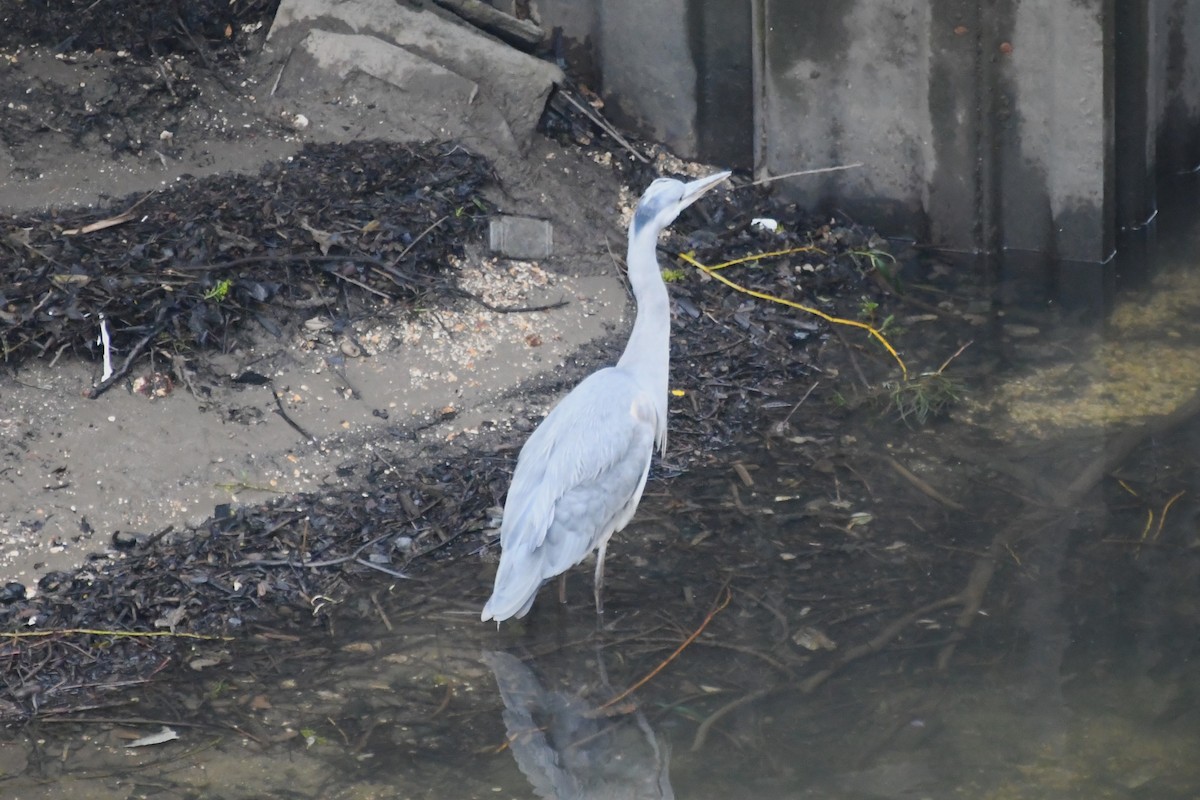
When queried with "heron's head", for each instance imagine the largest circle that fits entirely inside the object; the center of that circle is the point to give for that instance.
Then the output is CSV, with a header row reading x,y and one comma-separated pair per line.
x,y
666,197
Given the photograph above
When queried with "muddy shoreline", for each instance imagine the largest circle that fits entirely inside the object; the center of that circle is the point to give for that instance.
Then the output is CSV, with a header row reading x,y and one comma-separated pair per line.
x,y
299,421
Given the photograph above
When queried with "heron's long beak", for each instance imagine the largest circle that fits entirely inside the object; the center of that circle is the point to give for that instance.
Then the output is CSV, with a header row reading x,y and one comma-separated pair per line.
x,y
694,189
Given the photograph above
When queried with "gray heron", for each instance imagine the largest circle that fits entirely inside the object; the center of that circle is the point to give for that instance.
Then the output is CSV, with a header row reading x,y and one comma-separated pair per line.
x,y
580,475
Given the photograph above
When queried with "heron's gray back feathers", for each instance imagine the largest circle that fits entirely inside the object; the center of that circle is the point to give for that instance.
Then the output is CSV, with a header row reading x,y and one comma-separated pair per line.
x,y
578,479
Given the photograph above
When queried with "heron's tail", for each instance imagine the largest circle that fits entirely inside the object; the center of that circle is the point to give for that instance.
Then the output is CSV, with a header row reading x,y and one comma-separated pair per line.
x,y
517,583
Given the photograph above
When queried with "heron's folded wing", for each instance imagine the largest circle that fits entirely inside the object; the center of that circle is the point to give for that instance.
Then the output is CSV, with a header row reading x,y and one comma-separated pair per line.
x,y
598,436
577,479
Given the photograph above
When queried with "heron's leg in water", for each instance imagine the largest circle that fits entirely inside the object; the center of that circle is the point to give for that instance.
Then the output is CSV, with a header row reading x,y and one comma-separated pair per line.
x,y
562,588
600,577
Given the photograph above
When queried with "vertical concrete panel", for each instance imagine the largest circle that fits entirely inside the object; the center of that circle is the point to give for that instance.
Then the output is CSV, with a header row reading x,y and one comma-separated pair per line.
x,y
1021,98
1139,70
649,70
847,82
678,71
1179,144
979,124
799,64
984,126
955,201
578,20
1136,97
1063,128
722,44
1158,24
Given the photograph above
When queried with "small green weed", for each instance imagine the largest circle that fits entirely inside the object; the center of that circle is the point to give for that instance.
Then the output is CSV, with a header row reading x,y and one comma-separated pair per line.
x,y
879,260
921,398
220,291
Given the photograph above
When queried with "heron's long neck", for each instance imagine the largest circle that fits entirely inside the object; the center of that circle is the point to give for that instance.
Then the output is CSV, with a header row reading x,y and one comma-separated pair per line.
x,y
647,355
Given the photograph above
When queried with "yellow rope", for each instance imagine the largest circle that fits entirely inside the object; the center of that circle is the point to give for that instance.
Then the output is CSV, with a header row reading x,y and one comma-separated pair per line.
x,y
689,258
771,254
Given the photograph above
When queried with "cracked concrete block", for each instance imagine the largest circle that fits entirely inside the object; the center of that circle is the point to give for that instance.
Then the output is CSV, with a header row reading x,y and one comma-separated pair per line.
x,y
385,44
521,237
404,96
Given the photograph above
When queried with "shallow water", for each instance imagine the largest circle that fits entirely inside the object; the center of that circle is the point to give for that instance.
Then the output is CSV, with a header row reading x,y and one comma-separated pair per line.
x,y
1078,681
843,656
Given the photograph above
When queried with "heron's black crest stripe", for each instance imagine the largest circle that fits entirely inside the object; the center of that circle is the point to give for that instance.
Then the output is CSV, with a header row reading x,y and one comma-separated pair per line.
x,y
643,216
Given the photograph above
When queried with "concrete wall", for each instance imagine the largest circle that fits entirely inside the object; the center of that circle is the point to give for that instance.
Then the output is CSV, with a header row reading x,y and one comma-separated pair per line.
x,y
648,67
1034,128
979,125
828,95
722,47
1175,51
676,71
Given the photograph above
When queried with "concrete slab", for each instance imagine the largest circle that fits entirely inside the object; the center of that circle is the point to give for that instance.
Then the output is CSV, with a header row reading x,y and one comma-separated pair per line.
x,y
513,83
394,93
521,237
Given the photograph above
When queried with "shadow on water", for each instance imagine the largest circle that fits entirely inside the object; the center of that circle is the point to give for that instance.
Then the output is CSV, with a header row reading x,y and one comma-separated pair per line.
x,y
1005,605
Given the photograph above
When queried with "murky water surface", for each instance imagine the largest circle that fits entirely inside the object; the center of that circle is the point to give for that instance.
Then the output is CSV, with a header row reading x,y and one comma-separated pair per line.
x,y
1004,606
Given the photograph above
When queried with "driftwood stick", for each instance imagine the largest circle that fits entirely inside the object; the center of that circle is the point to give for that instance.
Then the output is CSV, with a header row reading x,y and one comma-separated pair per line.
x,y
604,125
520,33
702,732
921,486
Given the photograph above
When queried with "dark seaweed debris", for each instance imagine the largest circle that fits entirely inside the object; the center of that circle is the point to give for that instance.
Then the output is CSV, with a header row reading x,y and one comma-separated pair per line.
x,y
284,564
247,568
736,363
374,221
735,357
122,107
210,29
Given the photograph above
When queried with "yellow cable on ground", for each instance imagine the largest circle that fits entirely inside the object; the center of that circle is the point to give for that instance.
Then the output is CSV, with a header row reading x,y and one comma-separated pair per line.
x,y
772,254
711,271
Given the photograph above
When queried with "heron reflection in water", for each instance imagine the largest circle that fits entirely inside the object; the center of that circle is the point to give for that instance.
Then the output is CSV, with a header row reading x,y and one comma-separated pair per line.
x,y
568,750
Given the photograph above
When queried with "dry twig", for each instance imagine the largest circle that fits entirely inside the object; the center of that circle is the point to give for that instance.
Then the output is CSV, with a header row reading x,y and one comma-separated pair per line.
x,y
707,619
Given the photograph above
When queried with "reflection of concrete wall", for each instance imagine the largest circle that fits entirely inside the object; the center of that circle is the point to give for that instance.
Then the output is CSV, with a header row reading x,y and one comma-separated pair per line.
x,y
1038,126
